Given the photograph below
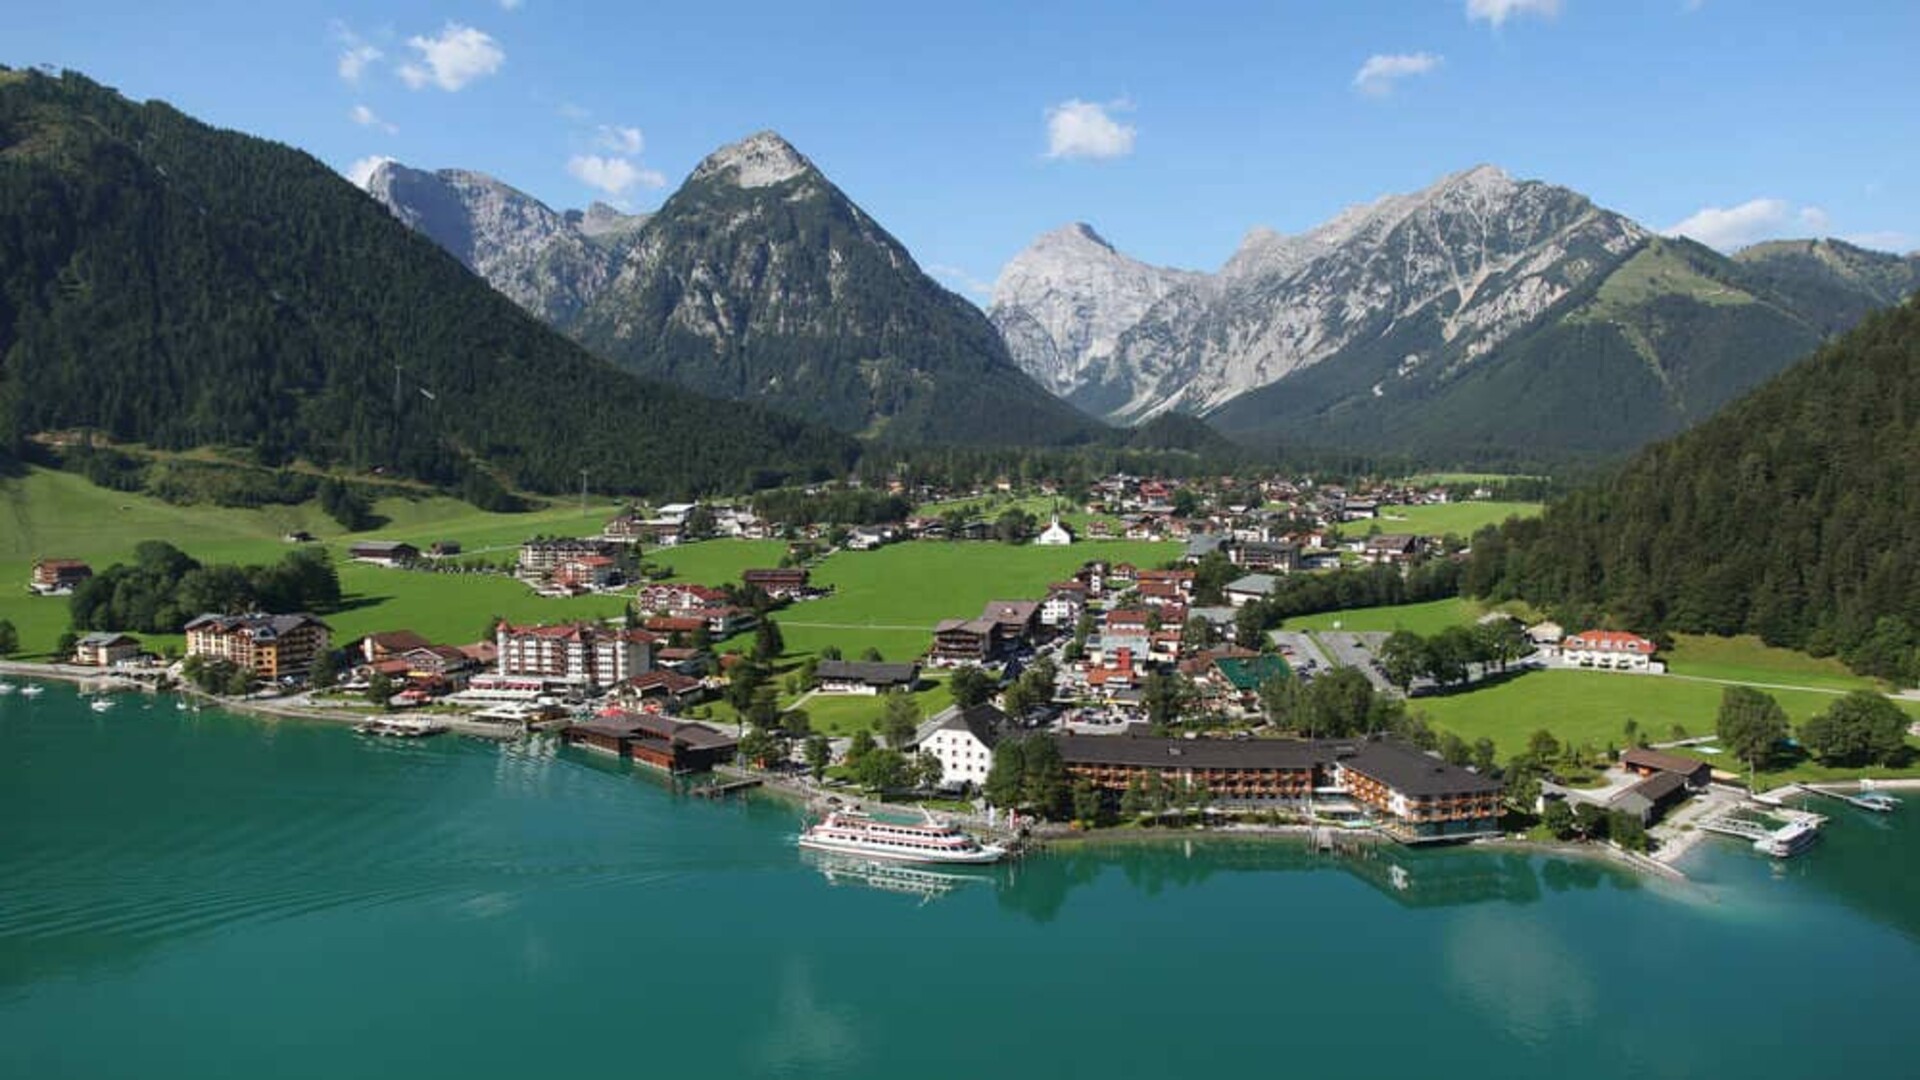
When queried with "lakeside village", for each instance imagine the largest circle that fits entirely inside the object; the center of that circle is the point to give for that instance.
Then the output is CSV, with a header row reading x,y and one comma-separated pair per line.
x,y
1122,695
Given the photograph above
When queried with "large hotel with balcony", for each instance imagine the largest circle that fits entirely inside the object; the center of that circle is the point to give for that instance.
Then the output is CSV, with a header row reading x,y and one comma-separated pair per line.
x,y
1412,795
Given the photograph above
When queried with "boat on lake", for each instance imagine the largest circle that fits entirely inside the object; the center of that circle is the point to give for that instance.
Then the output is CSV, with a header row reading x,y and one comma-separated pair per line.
x,y
100,704
33,690
1791,839
854,832
7,688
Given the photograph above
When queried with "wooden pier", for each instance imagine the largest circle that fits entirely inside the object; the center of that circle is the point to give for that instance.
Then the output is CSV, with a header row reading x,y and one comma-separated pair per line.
x,y
725,786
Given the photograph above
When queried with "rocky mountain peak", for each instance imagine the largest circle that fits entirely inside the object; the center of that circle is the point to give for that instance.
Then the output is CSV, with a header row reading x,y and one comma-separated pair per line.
x,y
759,160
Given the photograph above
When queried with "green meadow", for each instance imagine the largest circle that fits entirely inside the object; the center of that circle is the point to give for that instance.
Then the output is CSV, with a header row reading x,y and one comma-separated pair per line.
x,y
1424,619
1458,519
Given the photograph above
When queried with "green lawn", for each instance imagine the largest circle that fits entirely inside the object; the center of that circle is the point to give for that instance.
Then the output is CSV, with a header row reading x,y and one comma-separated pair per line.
x,y
891,598
1460,519
1042,507
1450,478
1423,619
844,714
1593,707
1747,659
717,562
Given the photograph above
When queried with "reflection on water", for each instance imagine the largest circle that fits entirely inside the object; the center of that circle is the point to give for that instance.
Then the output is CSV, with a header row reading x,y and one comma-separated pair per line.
x,y
894,877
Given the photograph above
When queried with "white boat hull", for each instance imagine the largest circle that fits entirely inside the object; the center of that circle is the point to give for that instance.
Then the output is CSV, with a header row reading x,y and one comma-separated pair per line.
x,y
987,853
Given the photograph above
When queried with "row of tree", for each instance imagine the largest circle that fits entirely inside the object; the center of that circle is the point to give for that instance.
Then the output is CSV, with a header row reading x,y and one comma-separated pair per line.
x,y
1448,656
1861,728
164,587
1375,586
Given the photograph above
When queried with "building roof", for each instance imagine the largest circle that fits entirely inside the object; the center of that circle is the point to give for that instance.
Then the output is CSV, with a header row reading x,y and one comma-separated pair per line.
x,y
102,639
868,671
970,626
1654,789
1202,545
983,722
1010,611
259,626
648,726
1640,758
389,546
1411,771
1609,641
1152,752
397,640
1251,672
1256,584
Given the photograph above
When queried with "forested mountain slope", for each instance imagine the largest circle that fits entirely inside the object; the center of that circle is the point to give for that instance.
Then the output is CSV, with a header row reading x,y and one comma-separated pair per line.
x,y
1793,514
165,282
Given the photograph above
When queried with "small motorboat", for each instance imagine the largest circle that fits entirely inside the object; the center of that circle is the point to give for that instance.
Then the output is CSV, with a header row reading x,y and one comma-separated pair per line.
x,y
33,690
7,688
100,704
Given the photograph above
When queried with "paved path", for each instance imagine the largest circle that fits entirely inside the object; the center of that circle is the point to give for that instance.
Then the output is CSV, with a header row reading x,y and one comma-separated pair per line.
x,y
1354,650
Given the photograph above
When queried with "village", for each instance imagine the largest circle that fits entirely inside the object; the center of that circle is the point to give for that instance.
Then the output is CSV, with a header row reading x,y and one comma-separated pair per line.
x,y
1161,687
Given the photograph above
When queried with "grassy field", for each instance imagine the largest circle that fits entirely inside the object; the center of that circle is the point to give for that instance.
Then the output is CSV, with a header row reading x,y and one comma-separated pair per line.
x,y
1460,518
57,514
1747,659
890,598
1593,707
844,714
1423,619
1041,507
1429,479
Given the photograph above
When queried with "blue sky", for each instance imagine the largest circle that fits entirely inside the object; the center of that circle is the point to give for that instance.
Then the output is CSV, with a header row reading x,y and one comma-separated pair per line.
x,y
968,129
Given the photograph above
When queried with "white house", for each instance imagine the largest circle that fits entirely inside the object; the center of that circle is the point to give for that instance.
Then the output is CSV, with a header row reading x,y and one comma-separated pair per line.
x,y
1054,535
1614,650
963,741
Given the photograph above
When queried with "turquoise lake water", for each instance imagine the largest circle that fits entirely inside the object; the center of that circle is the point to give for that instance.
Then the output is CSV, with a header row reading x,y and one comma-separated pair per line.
x,y
199,895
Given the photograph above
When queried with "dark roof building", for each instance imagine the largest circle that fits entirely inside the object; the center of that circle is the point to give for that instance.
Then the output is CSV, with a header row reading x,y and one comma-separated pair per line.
x,y
1697,774
865,676
659,741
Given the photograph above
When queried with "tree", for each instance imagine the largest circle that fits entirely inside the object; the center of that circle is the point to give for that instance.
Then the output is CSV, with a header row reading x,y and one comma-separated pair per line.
x,y
380,691
764,711
326,670
796,723
1338,703
819,754
1484,762
861,745
971,686
768,643
1627,830
1044,777
700,522
882,770
1542,748
900,719
760,747
1557,818
870,655
1454,749
1282,699
1448,653
1133,801
1859,728
1403,656
832,652
1167,697
927,771
9,638
240,683
1006,780
1197,634
63,649
1751,724
1589,821
1086,802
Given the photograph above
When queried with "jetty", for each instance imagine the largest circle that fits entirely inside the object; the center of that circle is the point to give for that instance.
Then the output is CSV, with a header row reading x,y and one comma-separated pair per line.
x,y
725,782
1783,832
1877,801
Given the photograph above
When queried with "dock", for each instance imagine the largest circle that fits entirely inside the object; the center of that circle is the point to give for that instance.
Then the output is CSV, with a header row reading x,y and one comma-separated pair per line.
x,y
1877,801
1780,840
725,784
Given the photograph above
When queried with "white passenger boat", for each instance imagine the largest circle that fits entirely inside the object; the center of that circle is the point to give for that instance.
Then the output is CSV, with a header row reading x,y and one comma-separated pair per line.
x,y
1788,840
852,832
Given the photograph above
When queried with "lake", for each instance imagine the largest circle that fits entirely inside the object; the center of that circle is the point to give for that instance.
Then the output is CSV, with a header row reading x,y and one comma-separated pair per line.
x,y
201,894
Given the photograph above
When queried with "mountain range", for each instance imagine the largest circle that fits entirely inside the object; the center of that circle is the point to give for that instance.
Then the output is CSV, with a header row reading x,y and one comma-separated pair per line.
x,y
167,283
757,280
1483,316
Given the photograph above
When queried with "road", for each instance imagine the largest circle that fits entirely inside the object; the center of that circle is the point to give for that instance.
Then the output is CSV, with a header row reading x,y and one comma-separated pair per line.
x,y
1304,650
1356,651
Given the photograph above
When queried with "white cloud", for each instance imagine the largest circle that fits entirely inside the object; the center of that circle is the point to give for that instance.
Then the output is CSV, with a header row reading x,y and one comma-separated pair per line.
x,y
354,60
457,57
510,5
612,175
1083,129
1377,76
366,117
619,140
1498,12
1732,227
362,171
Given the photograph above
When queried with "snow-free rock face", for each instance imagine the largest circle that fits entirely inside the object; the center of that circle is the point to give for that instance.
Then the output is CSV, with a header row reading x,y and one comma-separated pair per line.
x,y
548,262
760,280
1063,303
1466,263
